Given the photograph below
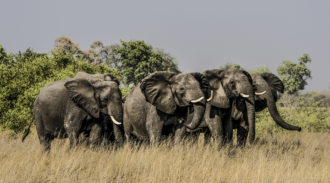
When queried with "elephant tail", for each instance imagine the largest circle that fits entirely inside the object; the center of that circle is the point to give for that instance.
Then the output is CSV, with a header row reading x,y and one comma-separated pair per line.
x,y
27,131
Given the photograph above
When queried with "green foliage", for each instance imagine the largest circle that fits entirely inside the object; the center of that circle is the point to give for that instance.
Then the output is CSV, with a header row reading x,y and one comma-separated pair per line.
x,y
294,75
4,57
231,66
138,60
261,69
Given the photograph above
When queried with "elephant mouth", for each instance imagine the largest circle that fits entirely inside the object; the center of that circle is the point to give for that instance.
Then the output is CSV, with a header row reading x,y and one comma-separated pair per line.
x,y
183,113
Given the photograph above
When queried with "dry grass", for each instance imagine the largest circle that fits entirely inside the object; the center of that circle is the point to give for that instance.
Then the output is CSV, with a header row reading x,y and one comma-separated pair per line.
x,y
283,157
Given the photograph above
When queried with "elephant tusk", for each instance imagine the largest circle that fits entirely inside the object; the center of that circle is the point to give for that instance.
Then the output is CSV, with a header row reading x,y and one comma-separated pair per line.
x,y
197,100
115,121
260,93
209,99
243,95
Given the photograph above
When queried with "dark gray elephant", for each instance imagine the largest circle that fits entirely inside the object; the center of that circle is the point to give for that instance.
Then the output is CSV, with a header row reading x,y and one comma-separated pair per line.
x,y
267,85
87,103
160,101
226,86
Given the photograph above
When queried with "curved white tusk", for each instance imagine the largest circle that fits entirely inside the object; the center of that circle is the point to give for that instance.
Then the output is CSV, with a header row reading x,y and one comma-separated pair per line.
x,y
209,99
197,100
261,93
115,121
243,95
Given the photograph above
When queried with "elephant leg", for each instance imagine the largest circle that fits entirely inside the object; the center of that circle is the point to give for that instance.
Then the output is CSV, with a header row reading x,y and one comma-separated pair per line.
x,y
154,125
95,135
216,130
242,133
44,138
73,133
155,133
73,138
193,137
207,137
179,134
228,130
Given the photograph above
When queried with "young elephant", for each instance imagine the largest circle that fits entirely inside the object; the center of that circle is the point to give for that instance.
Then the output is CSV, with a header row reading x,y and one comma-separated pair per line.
x,y
70,107
267,85
160,101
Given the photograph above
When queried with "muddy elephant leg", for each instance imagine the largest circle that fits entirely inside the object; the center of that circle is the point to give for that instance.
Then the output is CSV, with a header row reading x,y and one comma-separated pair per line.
x,y
72,126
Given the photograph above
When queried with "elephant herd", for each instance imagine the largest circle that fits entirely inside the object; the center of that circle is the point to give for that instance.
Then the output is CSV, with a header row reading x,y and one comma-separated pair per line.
x,y
163,105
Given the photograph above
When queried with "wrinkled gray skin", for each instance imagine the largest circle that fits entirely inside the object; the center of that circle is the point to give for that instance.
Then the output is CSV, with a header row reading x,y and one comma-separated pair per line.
x,y
226,86
267,85
79,105
159,102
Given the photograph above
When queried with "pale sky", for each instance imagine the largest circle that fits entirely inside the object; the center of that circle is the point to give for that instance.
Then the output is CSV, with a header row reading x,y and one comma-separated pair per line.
x,y
199,34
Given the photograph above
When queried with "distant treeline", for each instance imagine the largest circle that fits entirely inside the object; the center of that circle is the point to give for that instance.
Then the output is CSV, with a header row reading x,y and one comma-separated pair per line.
x,y
23,74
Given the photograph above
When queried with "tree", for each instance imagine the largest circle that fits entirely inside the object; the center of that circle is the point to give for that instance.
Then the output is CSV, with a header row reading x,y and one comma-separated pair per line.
x,y
101,53
294,75
4,57
231,66
261,69
138,60
66,46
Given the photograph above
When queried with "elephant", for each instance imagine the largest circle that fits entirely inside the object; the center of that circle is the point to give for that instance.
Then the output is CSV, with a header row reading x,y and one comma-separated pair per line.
x,y
155,106
226,86
86,103
267,85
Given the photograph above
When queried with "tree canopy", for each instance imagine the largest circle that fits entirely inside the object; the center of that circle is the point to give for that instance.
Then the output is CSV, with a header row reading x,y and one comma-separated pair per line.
x,y
295,75
139,59
261,69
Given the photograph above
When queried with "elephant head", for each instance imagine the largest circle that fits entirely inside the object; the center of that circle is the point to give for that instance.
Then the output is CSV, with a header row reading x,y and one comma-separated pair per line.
x,y
228,85
267,85
171,93
95,94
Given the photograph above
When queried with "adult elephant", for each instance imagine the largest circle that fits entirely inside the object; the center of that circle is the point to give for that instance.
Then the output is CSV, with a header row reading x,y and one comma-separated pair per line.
x,y
226,86
87,102
267,85
160,101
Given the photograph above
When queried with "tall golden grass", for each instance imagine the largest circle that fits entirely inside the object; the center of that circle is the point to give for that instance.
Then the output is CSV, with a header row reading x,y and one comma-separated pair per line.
x,y
280,157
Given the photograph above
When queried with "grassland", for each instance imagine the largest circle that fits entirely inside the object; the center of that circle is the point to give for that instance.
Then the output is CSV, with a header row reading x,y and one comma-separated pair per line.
x,y
276,157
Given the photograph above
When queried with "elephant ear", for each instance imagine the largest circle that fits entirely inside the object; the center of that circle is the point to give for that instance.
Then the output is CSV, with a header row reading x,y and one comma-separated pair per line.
x,y
82,93
203,82
219,97
157,90
248,76
274,82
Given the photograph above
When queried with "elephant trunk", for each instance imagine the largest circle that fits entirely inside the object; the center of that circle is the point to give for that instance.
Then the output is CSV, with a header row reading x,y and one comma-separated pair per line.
x,y
193,123
276,116
250,107
115,111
